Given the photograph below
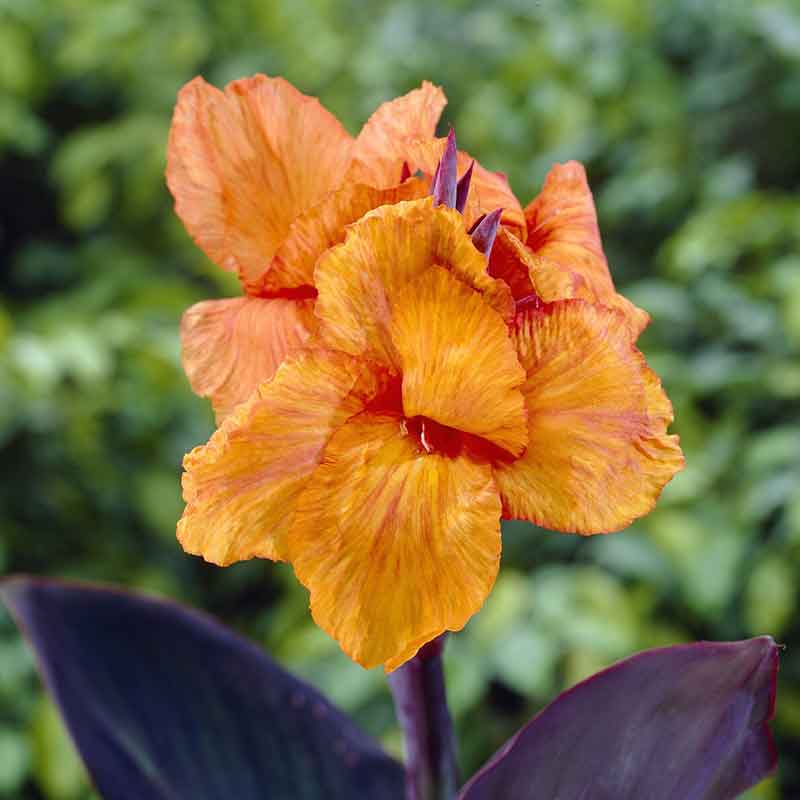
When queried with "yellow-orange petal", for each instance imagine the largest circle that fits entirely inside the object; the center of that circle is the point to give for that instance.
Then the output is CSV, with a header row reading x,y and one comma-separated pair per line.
x,y
379,150
395,545
562,231
241,487
458,362
232,346
488,190
243,163
324,226
598,454
359,281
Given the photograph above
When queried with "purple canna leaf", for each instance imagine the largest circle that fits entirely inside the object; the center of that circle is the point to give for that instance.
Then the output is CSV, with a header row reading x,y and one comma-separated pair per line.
x,y
484,233
686,722
462,189
445,179
165,703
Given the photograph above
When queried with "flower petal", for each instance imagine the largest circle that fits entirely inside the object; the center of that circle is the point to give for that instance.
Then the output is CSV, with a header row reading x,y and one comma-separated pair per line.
x,y
379,149
510,261
240,487
458,362
395,545
244,163
488,190
528,274
324,226
598,454
232,346
359,281
562,231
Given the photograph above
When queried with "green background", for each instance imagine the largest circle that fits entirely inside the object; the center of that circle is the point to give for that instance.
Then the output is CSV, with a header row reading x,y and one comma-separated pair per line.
x,y
687,115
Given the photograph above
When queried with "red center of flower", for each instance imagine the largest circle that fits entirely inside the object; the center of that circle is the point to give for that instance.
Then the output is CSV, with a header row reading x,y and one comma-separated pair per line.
x,y
432,436
304,292
435,437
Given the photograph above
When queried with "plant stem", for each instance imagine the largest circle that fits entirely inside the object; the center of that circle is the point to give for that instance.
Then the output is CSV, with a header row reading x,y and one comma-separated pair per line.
x,y
420,701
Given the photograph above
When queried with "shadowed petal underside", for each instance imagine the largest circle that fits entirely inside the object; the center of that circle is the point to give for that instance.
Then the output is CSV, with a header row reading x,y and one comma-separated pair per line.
x,y
232,346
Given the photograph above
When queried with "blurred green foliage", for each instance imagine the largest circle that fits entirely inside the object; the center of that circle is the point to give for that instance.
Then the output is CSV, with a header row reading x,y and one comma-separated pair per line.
x,y
687,114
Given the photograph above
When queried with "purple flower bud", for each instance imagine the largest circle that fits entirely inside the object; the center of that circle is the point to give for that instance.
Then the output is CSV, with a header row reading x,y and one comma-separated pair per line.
x,y
444,181
484,232
462,190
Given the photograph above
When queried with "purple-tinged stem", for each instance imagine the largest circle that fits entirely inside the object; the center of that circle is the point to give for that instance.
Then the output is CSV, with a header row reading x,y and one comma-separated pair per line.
x,y
420,701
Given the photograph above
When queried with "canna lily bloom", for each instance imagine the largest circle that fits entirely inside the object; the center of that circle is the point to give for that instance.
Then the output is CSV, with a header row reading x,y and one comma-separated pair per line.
x,y
379,460
559,255
266,180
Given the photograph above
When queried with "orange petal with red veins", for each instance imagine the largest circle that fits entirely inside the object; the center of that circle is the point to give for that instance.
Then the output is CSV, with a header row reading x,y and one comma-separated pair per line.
x,y
232,346
379,150
562,231
244,163
395,545
458,363
488,190
598,454
528,274
510,261
241,487
359,281
324,226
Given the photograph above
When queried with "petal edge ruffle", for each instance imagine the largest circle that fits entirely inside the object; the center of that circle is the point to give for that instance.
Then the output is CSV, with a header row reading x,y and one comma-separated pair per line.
x,y
563,234
598,455
360,280
395,545
243,163
241,487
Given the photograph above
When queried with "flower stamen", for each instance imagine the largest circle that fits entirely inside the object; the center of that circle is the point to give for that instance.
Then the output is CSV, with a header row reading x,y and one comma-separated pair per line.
x,y
433,436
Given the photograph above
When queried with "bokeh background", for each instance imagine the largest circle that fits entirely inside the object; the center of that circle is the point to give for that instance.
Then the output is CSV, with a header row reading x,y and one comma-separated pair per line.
x,y
687,115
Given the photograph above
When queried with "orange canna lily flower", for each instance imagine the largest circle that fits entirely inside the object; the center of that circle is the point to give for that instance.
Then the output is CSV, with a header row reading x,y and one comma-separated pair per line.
x,y
265,181
560,256
380,459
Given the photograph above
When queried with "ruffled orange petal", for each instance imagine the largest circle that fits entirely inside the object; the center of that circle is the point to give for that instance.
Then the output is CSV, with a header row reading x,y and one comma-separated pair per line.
x,y
359,281
528,274
232,346
562,232
598,454
379,150
395,545
488,190
510,261
241,487
324,226
458,362
244,163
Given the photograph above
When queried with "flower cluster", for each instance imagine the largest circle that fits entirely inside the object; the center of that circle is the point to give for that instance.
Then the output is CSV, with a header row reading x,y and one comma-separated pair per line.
x,y
414,357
